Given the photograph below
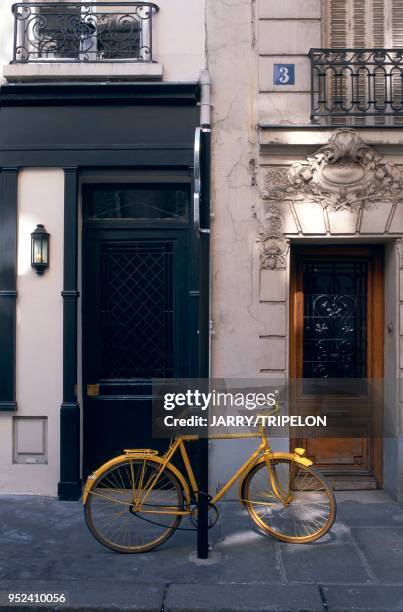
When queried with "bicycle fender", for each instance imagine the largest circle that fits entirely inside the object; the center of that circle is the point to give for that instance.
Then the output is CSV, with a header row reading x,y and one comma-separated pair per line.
x,y
273,456
293,457
155,458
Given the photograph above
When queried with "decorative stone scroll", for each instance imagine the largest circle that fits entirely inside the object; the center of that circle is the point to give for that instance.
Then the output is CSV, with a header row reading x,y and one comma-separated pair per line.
x,y
345,174
273,243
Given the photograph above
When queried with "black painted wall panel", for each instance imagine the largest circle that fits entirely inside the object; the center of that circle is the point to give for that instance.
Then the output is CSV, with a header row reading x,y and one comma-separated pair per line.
x,y
8,292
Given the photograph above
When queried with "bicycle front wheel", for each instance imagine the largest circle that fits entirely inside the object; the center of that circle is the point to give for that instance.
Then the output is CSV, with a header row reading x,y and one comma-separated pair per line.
x,y
116,514
301,509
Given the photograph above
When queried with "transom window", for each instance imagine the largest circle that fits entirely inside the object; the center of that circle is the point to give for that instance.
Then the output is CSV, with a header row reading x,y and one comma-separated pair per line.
x,y
136,201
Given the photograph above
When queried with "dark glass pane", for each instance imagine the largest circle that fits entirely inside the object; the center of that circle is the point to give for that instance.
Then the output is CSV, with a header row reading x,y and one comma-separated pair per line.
x,y
119,38
59,32
335,319
80,32
139,201
137,311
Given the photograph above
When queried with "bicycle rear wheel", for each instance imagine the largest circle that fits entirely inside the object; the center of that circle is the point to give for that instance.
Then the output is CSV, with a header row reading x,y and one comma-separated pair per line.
x,y
115,515
308,513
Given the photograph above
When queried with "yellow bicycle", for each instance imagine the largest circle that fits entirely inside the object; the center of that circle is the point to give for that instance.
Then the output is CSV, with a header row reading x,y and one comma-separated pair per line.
x,y
136,501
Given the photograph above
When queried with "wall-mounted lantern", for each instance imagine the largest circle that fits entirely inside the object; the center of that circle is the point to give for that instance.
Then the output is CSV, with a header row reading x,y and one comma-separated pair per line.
x,y
40,249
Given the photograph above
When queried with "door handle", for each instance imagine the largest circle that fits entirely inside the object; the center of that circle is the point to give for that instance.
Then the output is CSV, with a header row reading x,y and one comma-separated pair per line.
x,y
93,390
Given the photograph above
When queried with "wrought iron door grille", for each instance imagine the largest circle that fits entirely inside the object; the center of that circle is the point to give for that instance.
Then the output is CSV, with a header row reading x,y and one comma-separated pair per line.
x,y
137,311
78,32
335,319
356,83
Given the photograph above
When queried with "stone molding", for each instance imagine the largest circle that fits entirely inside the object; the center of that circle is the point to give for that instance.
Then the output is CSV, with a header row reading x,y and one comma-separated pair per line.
x,y
83,71
344,174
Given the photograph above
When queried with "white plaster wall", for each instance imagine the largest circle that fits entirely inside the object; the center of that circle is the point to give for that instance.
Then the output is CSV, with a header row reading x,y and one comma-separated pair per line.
x,y
243,325
286,32
6,34
178,39
39,332
233,68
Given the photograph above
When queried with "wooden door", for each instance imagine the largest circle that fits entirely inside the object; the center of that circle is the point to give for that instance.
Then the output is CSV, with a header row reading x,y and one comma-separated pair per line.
x,y
336,358
135,311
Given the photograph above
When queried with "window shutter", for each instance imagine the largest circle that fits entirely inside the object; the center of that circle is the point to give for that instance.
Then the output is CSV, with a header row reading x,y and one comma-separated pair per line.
x,y
359,33
338,27
362,23
397,24
396,41
378,22
338,23
367,24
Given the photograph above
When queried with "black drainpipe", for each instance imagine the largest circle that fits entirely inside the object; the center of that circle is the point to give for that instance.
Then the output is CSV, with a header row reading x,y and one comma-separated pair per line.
x,y
204,303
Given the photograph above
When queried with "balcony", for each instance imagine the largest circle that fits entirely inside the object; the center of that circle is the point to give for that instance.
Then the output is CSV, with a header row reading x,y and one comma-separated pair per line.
x,y
357,86
71,40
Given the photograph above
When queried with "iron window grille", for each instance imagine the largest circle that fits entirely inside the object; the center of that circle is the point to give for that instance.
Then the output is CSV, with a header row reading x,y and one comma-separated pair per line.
x,y
356,83
83,32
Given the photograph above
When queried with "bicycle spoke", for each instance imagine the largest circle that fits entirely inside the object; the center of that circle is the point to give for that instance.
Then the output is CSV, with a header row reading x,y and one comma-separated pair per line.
x,y
297,509
118,521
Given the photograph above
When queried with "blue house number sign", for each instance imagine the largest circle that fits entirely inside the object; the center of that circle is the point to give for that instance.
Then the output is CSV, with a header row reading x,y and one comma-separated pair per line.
x,y
284,74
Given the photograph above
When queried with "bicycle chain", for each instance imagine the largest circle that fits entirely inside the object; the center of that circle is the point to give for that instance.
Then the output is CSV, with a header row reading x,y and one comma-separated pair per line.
x,y
143,518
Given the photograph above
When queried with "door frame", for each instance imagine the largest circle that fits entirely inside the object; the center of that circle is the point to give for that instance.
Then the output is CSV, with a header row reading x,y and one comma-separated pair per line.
x,y
189,237
375,321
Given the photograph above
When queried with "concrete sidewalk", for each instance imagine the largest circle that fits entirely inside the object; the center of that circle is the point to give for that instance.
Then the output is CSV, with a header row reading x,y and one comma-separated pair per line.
x,y
45,548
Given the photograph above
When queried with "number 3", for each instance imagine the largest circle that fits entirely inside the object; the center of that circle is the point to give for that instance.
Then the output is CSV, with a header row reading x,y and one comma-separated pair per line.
x,y
284,76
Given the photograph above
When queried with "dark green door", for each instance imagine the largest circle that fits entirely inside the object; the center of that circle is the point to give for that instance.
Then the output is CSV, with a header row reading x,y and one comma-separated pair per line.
x,y
135,328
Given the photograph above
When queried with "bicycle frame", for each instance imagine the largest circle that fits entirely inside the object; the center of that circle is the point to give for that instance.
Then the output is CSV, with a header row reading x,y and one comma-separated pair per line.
x,y
263,450
176,493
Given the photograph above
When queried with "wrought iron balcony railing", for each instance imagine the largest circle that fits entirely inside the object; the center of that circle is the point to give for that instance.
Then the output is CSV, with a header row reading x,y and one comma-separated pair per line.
x,y
356,83
83,32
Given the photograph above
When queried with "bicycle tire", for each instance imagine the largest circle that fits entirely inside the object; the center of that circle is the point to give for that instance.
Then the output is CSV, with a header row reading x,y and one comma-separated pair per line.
x,y
112,498
306,518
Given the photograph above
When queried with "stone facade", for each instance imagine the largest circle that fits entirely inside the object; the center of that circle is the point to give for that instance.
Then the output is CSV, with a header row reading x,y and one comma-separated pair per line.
x,y
279,181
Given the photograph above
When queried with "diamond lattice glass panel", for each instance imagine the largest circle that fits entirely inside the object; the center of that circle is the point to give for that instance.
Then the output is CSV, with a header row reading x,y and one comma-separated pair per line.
x,y
137,311
335,319
137,201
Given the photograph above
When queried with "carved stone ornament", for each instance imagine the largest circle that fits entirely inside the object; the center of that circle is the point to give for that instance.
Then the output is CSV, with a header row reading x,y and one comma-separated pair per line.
x,y
345,174
273,244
